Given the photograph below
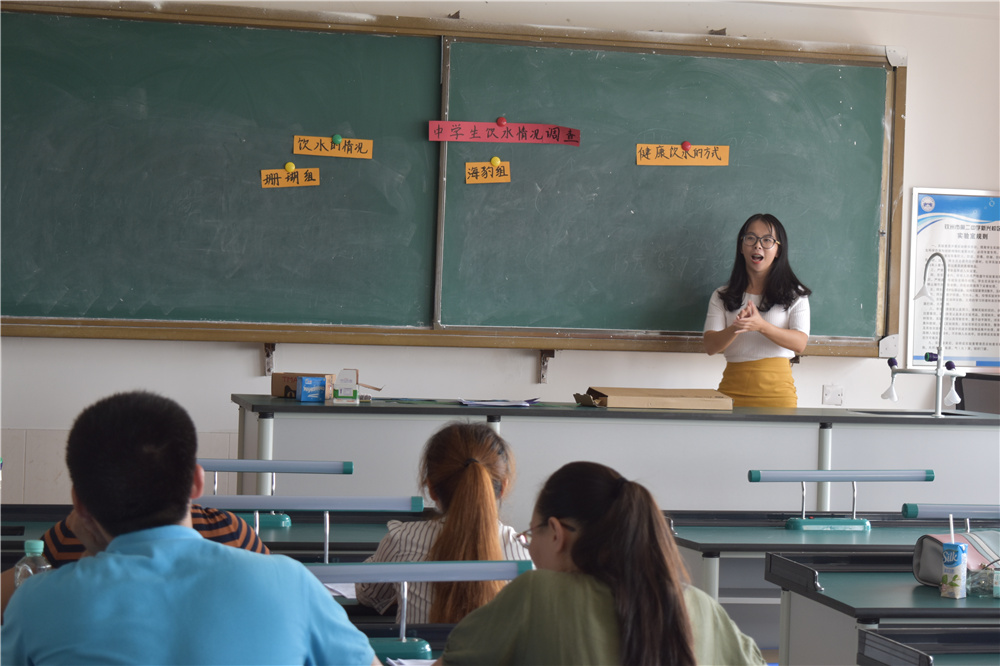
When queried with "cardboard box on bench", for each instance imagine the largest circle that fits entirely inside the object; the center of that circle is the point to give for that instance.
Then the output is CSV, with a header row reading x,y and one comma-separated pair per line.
x,y
642,398
283,384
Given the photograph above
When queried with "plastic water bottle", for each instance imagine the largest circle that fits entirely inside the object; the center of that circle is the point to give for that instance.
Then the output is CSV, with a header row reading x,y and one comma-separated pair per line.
x,y
32,563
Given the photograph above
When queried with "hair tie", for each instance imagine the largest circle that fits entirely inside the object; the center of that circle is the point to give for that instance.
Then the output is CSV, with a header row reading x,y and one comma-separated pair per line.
x,y
619,484
469,461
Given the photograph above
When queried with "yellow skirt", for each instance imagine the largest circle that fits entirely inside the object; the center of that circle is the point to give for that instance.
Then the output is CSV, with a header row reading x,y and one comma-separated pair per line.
x,y
764,383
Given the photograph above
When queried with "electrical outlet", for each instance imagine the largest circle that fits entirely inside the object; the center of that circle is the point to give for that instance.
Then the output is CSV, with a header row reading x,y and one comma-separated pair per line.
x,y
833,394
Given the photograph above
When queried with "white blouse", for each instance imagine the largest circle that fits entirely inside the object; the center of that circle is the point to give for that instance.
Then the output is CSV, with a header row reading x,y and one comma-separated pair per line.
x,y
753,345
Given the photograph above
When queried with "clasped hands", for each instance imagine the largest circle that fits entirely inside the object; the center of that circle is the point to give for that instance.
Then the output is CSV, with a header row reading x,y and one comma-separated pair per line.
x,y
748,319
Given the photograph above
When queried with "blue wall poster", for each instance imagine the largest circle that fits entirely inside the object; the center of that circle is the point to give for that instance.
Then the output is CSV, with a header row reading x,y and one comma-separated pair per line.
x,y
963,226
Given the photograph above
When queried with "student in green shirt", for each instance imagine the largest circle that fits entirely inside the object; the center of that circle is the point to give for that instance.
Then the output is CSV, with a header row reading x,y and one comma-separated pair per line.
x,y
610,588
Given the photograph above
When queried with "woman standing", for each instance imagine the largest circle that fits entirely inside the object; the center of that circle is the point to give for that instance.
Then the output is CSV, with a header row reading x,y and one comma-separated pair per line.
x,y
466,469
760,320
609,588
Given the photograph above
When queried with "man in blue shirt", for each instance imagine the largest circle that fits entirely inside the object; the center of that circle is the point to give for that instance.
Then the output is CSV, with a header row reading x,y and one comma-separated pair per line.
x,y
156,592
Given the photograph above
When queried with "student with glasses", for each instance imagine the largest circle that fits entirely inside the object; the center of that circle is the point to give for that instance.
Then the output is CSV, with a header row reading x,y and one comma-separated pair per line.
x,y
760,319
609,588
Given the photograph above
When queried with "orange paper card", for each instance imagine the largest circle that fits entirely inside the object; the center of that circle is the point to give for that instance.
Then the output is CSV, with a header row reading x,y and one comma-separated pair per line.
x,y
282,178
653,154
485,172
325,147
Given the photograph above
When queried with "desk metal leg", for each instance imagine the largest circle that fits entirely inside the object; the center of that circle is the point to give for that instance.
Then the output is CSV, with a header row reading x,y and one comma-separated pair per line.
x,y
784,628
241,451
265,449
825,462
710,574
326,537
241,434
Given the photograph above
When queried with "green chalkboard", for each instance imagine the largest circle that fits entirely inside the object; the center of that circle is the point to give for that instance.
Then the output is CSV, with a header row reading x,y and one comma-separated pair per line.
x,y
132,203
582,238
131,186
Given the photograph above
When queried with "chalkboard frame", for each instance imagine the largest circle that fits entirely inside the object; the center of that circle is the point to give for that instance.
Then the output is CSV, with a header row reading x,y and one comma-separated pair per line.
x,y
891,212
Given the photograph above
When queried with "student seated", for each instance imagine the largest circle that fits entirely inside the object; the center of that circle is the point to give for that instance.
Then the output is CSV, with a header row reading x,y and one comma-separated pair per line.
x,y
609,588
62,546
159,593
466,468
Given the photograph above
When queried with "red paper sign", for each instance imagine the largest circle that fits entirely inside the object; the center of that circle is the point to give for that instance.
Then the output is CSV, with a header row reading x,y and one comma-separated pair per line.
x,y
491,132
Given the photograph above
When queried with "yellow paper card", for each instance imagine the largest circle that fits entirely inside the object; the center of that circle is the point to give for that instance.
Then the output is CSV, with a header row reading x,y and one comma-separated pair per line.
x,y
325,147
653,154
485,172
282,178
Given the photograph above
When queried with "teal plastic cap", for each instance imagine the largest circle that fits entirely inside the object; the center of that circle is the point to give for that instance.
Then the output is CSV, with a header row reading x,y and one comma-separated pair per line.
x,y
267,520
524,566
753,476
400,648
911,510
33,546
416,503
930,474
348,468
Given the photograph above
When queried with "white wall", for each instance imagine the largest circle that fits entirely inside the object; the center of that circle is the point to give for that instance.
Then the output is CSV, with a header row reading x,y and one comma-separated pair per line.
x,y
952,137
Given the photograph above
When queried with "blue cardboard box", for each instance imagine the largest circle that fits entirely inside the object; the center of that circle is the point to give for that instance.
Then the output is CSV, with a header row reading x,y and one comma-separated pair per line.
x,y
310,389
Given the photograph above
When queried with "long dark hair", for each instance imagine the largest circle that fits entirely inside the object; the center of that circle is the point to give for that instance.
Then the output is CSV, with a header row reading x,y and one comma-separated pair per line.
x,y
467,465
624,542
781,288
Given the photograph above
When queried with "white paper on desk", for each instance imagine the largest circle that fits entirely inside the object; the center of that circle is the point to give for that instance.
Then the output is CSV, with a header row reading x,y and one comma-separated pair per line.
x,y
498,403
410,662
345,590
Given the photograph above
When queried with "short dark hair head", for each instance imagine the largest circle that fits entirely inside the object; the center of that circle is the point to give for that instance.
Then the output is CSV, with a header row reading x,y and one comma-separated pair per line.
x,y
131,457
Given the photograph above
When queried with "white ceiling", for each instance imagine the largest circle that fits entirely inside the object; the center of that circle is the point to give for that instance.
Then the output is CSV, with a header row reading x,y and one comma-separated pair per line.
x,y
988,9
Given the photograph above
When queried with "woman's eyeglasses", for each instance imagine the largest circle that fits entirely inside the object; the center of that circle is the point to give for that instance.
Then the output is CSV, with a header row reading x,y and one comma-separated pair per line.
x,y
524,538
767,242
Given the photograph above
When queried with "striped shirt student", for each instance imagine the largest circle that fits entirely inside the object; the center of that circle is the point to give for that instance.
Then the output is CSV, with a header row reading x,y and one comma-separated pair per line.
x,y
411,542
63,547
466,468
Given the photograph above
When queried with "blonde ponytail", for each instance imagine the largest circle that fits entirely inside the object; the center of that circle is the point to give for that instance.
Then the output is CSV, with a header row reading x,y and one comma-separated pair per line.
x,y
467,466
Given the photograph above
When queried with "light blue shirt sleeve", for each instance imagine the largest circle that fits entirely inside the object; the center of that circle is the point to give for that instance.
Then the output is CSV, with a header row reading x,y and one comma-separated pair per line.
x,y
334,638
12,638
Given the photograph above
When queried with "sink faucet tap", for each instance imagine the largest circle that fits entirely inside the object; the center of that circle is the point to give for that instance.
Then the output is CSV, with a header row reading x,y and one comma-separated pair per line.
x,y
942,369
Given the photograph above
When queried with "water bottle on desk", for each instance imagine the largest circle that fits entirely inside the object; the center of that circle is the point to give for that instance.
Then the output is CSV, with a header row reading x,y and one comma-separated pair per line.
x,y
32,563
984,583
